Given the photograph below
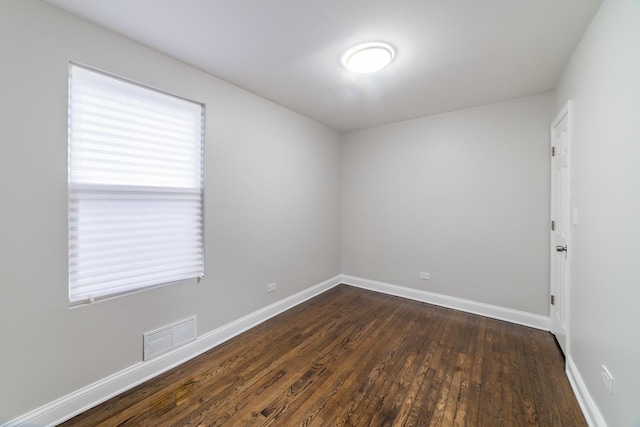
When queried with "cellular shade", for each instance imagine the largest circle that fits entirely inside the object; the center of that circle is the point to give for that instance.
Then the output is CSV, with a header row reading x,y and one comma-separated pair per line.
x,y
135,186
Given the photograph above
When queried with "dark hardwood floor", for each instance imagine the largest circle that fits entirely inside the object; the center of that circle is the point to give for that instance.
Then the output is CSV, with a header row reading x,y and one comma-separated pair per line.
x,y
359,358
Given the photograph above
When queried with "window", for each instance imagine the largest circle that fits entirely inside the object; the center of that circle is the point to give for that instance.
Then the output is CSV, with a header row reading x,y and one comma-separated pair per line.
x,y
135,187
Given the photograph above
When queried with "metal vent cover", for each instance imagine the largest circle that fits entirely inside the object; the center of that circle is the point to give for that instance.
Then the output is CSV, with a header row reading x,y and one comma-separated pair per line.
x,y
169,337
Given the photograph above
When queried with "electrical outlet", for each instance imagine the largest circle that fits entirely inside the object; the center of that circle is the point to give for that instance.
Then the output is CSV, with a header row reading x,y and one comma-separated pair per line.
x,y
607,378
424,276
271,287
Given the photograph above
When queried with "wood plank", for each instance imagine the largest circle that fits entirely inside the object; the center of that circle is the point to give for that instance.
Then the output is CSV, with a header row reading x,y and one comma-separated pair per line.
x,y
352,357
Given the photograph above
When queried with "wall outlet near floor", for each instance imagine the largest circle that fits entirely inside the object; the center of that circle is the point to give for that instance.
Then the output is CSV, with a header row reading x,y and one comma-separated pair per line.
x,y
607,378
424,276
271,287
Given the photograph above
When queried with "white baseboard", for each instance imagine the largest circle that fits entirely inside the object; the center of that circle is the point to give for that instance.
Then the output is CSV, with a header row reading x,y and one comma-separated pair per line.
x,y
87,397
488,310
589,409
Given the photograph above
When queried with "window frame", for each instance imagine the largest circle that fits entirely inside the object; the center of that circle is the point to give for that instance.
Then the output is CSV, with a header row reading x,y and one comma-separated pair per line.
x,y
178,192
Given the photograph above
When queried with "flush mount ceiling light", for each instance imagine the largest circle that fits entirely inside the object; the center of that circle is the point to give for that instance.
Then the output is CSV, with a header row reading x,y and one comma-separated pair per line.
x,y
368,57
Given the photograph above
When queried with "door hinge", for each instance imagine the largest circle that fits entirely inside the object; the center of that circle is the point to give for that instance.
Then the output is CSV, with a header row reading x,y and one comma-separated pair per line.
x,y
553,151
553,300
553,226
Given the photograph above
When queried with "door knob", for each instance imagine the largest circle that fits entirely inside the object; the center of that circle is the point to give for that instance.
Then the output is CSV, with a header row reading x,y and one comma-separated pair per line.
x,y
561,248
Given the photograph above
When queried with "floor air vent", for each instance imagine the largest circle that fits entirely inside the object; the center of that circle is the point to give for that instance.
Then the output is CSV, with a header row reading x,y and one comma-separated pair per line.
x,y
169,337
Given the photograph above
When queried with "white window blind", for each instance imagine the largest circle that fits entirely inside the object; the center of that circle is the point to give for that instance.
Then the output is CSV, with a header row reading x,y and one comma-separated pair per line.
x,y
135,187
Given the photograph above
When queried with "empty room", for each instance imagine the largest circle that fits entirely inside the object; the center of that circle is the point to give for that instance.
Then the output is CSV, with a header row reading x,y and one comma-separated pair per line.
x,y
318,213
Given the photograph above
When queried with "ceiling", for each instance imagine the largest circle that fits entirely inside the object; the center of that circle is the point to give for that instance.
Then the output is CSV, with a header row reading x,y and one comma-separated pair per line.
x,y
450,54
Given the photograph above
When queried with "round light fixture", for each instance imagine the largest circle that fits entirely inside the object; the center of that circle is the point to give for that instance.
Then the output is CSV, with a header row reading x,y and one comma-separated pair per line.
x,y
368,57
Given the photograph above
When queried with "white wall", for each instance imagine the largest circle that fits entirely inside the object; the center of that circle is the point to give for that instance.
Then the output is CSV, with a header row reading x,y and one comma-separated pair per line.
x,y
603,80
463,196
272,208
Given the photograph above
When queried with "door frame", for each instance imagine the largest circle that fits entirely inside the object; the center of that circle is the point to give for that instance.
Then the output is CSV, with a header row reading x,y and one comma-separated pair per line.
x,y
566,111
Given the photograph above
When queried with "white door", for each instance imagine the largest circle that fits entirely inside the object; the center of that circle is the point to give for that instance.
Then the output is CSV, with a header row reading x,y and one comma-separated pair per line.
x,y
560,225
